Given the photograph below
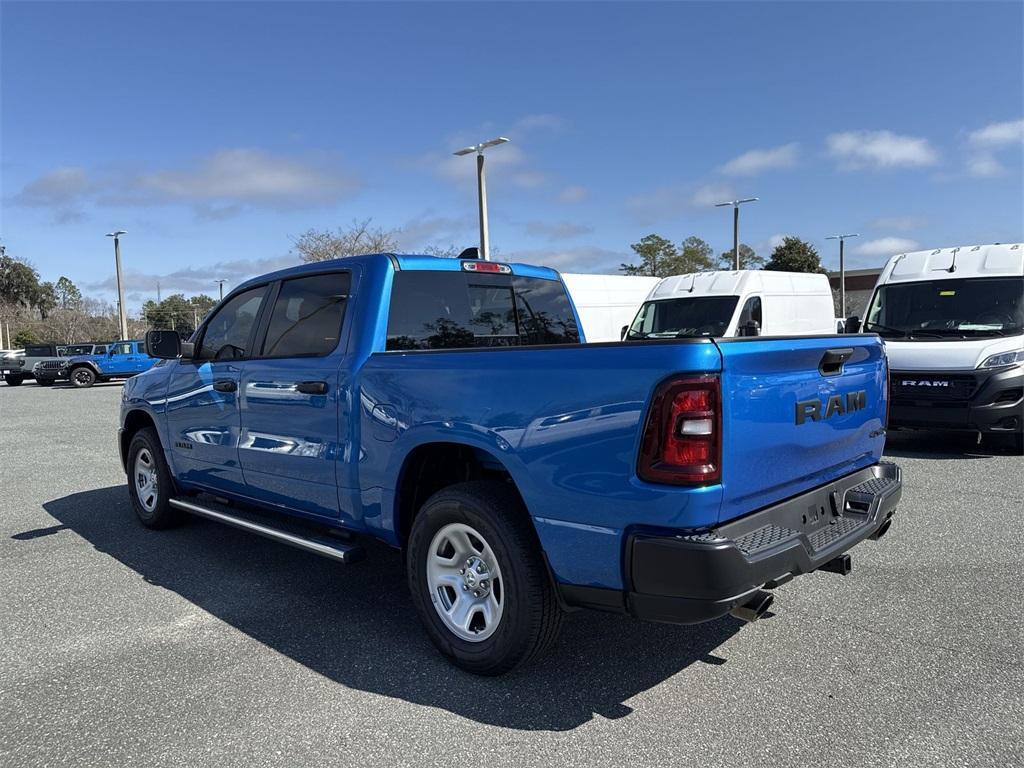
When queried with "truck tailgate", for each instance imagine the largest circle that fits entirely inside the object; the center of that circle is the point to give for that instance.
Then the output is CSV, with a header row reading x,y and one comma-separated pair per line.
x,y
797,413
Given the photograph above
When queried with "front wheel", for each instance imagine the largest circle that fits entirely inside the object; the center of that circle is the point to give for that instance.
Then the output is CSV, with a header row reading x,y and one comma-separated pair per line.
x,y
13,379
83,377
478,578
149,481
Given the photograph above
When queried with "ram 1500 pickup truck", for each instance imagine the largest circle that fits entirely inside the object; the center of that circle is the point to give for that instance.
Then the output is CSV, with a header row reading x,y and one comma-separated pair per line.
x,y
449,408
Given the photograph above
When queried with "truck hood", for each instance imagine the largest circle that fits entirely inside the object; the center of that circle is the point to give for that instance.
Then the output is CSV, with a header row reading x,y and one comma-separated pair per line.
x,y
952,355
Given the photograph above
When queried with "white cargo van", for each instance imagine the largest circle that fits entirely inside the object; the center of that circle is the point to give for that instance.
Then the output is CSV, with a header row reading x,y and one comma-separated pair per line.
x,y
742,303
607,302
952,320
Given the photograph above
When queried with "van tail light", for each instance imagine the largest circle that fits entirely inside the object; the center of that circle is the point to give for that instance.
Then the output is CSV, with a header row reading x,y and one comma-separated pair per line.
x,y
682,438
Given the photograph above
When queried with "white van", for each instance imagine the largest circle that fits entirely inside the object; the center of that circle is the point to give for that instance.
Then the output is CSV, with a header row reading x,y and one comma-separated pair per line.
x,y
742,303
607,302
952,320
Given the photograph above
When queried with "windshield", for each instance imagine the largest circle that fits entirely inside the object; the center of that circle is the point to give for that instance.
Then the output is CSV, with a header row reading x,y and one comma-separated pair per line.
x,y
956,309
688,316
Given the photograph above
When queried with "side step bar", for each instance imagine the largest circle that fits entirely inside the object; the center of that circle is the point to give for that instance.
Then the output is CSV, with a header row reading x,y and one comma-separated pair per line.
x,y
335,550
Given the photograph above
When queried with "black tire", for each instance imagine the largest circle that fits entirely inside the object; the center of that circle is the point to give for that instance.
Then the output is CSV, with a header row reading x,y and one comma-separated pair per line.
x,y
13,379
531,617
156,513
82,377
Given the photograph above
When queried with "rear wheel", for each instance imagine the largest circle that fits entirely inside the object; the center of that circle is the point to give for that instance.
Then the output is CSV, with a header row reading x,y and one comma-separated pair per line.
x,y
149,481
478,578
13,379
82,377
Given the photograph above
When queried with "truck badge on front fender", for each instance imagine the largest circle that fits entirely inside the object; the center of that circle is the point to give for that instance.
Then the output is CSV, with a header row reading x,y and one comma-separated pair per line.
x,y
836,405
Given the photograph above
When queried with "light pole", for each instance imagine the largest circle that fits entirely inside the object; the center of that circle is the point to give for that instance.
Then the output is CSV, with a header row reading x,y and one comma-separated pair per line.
x,y
842,270
221,284
121,317
481,187
736,226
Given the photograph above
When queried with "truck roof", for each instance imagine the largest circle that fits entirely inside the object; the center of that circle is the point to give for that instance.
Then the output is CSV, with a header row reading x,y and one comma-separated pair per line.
x,y
403,261
995,260
735,283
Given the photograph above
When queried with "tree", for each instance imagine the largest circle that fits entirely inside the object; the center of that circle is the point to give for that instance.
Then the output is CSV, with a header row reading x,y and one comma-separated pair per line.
x,y
19,283
695,255
176,312
448,252
359,238
657,255
67,294
795,255
748,259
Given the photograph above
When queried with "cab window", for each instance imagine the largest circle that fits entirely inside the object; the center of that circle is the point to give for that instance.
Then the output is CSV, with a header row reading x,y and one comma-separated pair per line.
x,y
121,349
751,312
228,334
307,316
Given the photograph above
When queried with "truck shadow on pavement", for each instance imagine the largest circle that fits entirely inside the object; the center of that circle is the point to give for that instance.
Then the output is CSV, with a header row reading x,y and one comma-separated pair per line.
x,y
356,624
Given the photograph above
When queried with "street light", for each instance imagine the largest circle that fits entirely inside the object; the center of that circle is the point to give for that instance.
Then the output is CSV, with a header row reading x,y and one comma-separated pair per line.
x,y
481,187
842,270
121,317
221,284
736,226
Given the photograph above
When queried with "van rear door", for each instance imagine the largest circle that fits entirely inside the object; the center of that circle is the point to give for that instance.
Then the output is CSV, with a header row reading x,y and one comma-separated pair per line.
x,y
797,413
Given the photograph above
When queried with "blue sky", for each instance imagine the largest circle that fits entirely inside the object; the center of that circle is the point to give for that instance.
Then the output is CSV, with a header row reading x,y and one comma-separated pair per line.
x,y
215,133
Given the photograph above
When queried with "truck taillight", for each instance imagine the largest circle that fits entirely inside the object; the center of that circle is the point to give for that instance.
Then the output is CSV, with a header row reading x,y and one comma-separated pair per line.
x,y
682,438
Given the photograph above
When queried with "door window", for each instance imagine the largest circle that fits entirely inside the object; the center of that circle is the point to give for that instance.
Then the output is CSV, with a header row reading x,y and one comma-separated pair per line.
x,y
120,349
307,316
228,334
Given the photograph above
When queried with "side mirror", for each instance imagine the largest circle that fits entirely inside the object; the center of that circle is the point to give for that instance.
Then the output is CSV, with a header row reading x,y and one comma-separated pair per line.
x,y
623,332
853,324
165,345
750,328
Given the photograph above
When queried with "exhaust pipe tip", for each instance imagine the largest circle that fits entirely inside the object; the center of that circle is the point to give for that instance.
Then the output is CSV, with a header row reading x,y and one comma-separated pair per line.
x,y
882,530
755,606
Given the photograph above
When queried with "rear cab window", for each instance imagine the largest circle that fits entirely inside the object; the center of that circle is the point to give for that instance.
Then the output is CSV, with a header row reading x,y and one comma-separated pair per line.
x,y
464,310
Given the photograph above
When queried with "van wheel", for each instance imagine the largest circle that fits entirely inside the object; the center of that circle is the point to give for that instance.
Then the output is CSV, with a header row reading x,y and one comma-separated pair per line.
x,y
149,481
13,380
82,377
478,578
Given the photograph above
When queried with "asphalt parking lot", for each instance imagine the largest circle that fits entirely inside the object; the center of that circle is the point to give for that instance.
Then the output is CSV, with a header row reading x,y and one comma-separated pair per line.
x,y
205,645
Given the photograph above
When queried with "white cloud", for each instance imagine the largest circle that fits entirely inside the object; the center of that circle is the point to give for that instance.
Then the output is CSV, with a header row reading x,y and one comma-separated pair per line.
x,y
899,223
998,135
561,230
573,194
669,202
544,121
776,240
432,229
196,279
886,246
758,160
984,165
986,141
217,186
586,259
709,195
236,177
880,149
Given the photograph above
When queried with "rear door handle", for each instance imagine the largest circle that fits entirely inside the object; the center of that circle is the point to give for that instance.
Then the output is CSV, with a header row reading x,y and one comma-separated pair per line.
x,y
312,387
833,360
225,385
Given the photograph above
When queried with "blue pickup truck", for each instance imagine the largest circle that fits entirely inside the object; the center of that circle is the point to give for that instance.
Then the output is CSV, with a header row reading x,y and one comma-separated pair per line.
x,y
119,360
451,409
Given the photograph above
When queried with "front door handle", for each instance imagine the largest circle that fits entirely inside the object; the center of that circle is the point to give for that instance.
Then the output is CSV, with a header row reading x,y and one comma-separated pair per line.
x,y
312,387
225,385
